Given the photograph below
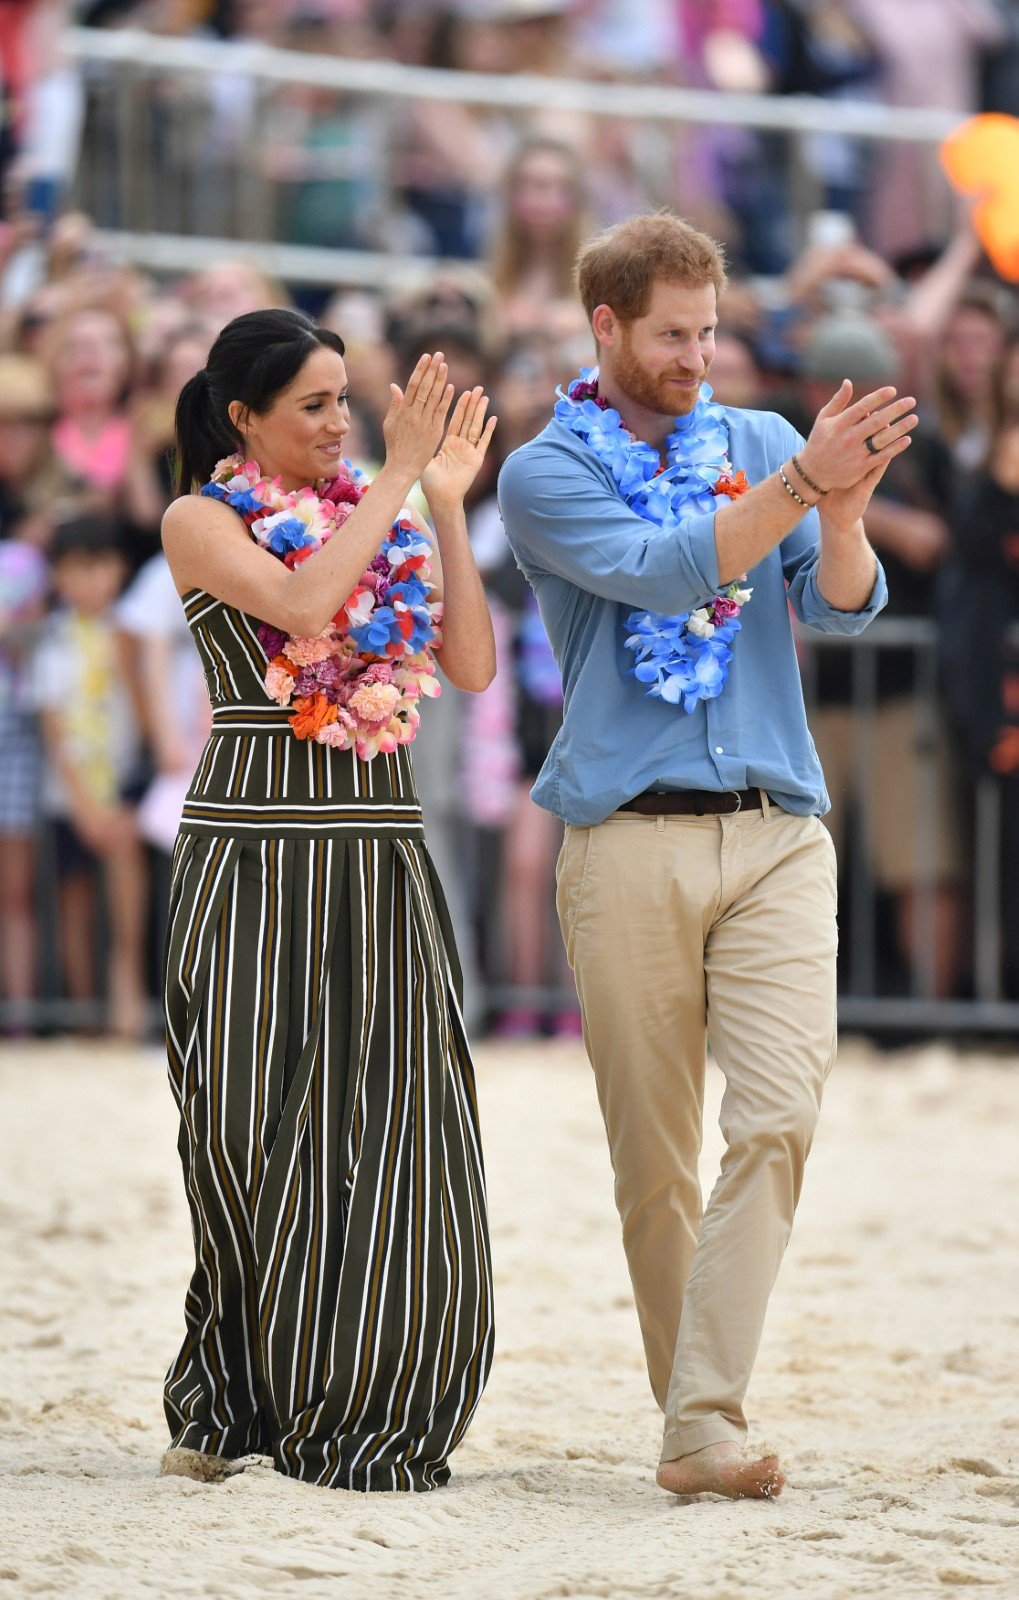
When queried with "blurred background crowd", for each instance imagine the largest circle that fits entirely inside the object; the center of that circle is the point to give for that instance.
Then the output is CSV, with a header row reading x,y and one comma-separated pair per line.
x,y
851,259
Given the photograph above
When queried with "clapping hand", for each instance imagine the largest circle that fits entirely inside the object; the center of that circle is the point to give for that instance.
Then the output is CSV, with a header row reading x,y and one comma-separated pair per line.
x,y
450,473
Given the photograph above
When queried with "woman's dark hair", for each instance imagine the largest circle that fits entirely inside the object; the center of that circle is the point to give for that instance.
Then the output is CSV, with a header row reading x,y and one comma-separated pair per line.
x,y
254,359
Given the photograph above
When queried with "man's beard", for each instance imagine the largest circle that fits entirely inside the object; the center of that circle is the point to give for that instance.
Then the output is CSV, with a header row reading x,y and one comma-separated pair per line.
x,y
653,391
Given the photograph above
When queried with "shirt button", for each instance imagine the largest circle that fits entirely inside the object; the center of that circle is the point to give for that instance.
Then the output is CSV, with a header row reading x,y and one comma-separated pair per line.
x,y
719,751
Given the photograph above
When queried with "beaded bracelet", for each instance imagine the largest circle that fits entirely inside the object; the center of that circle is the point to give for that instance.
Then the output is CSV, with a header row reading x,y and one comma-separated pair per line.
x,y
808,480
787,486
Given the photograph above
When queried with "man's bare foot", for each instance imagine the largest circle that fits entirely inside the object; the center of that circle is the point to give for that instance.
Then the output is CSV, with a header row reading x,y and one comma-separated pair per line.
x,y
723,1469
180,1463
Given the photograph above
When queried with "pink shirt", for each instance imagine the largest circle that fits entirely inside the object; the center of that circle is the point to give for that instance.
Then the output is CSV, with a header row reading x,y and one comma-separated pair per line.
x,y
102,461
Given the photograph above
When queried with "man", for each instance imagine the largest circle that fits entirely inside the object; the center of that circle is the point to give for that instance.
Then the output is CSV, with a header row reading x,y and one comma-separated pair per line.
x,y
696,884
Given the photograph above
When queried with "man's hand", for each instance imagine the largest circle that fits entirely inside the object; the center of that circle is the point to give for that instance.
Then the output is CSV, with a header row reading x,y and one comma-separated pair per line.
x,y
837,455
843,509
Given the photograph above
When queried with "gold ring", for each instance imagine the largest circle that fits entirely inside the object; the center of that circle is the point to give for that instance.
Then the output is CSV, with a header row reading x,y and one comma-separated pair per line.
x,y
473,438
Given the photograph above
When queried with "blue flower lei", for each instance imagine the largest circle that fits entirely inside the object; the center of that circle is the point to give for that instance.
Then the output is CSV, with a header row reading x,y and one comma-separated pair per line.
x,y
684,658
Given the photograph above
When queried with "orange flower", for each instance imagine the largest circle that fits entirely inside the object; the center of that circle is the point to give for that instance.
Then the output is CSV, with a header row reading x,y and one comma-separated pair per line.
x,y
287,665
310,714
732,486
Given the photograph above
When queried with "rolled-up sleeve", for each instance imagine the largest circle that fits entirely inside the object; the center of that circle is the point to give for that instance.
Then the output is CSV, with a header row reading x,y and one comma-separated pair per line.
x,y
563,519
801,555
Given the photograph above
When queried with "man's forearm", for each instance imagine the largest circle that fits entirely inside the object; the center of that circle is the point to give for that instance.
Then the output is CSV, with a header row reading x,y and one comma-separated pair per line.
x,y
747,528
848,567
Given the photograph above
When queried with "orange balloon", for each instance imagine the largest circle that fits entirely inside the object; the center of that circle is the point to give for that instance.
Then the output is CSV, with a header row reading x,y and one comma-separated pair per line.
x,y
982,158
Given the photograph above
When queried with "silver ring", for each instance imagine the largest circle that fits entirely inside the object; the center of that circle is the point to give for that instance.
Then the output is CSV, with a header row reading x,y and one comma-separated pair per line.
x,y
875,449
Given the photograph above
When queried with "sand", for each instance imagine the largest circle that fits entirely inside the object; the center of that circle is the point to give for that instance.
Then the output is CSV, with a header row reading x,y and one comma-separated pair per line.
x,y
887,1376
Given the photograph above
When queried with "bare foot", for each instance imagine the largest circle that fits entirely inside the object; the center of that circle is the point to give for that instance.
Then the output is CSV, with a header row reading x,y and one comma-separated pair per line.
x,y
180,1463
723,1469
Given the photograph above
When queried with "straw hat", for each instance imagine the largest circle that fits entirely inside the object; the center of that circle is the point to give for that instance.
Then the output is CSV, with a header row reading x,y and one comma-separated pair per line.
x,y
25,390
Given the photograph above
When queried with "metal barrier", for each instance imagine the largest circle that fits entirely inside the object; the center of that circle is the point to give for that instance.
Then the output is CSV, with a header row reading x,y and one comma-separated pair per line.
x,y
134,133
862,1002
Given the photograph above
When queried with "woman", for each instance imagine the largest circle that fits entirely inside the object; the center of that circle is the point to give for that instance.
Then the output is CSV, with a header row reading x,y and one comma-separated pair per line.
x,y
339,1316
91,360
543,223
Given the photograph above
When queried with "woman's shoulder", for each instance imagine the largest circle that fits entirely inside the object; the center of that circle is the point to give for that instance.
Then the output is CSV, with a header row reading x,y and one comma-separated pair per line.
x,y
187,526
206,507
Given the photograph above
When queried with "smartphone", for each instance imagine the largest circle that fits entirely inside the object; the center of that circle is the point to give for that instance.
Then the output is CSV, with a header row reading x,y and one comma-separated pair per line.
x,y
828,230
41,198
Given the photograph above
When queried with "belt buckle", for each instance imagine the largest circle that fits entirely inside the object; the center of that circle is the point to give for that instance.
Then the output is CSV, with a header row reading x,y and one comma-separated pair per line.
x,y
738,799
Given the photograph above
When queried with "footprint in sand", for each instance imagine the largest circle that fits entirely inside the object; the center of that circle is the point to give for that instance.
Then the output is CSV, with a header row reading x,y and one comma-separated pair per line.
x,y
978,1465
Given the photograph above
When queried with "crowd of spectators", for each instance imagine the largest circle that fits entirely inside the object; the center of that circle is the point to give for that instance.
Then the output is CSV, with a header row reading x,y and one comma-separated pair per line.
x,y
102,703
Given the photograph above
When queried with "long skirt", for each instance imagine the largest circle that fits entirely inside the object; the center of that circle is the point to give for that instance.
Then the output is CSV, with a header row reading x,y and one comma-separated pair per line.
x,y
339,1316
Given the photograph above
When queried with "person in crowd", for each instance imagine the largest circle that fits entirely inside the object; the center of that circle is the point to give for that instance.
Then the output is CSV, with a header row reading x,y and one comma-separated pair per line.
x,y
33,484
543,220
324,1081
979,613
507,735
90,771
696,883
173,696
969,355
929,54
149,484
23,586
227,289
907,792
736,375
91,362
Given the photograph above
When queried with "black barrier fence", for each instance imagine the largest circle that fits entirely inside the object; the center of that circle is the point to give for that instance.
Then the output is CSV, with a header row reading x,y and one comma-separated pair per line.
x,y
947,824
902,770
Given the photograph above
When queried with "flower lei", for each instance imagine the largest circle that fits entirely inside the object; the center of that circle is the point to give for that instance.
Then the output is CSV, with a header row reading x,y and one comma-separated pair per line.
x,y
684,658
355,685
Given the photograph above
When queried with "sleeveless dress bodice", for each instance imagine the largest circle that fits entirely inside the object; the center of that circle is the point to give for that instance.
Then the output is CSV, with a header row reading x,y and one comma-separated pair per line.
x,y
255,777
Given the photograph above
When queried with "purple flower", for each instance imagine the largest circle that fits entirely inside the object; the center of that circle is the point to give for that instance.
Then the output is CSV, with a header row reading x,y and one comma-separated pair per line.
x,y
724,610
271,639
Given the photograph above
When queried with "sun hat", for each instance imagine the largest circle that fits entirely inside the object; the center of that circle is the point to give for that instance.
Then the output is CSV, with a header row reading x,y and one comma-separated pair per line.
x,y
25,390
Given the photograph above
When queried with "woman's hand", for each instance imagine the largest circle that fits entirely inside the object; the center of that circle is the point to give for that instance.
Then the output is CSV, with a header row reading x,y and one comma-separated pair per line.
x,y
449,475
413,426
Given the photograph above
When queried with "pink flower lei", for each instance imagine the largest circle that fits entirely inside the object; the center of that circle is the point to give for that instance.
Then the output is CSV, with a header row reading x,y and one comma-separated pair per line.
x,y
357,684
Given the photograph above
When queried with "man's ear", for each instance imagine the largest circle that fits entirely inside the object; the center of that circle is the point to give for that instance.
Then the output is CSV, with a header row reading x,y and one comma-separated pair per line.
x,y
604,325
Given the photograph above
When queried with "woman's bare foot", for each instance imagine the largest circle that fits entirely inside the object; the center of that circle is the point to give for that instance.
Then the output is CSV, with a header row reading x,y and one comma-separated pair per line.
x,y
723,1469
180,1463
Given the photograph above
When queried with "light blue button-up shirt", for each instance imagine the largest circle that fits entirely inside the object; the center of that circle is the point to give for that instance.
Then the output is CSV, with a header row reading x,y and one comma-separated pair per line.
x,y
590,561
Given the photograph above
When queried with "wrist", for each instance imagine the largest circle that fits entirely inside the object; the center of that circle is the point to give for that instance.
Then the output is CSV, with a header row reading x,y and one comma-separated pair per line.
x,y
445,506
395,476
837,526
805,472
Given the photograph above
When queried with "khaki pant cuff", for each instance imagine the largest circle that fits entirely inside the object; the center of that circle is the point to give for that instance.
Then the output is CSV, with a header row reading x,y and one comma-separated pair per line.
x,y
697,1435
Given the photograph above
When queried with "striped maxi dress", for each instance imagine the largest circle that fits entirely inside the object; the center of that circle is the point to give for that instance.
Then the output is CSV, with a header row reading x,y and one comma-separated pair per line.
x,y
339,1317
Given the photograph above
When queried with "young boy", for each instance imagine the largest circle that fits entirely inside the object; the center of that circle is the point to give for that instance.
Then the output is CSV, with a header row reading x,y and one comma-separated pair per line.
x,y
91,753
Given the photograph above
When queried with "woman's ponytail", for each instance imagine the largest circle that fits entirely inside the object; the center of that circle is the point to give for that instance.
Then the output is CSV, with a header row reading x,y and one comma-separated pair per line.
x,y
255,358
203,432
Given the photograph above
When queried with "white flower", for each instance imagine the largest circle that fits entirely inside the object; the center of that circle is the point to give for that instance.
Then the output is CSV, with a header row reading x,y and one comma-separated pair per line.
x,y
698,624
742,596
362,608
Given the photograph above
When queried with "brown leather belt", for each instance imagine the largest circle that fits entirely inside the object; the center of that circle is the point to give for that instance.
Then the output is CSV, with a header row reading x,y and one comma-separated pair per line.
x,y
694,802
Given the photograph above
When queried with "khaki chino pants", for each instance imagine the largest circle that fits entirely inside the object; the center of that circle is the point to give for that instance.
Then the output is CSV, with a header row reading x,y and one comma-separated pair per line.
x,y
682,929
